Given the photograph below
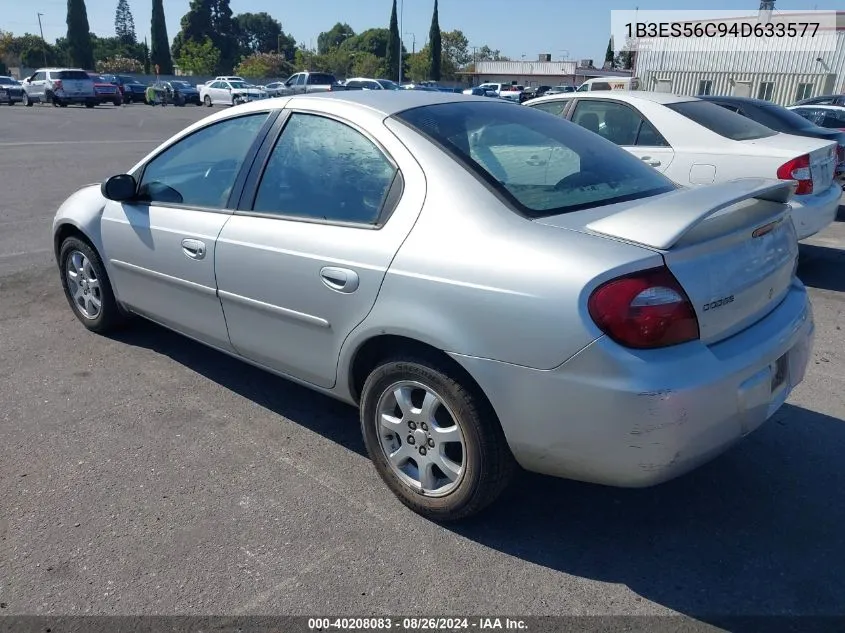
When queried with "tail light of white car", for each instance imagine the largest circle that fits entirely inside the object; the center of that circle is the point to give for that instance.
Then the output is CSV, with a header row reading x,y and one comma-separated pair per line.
x,y
798,169
644,310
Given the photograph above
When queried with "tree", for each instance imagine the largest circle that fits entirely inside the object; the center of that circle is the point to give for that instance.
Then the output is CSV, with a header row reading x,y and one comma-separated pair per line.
x,y
120,65
124,23
223,36
366,65
373,41
199,58
456,53
627,56
160,48
29,51
391,57
260,33
146,60
78,35
419,64
609,59
265,65
333,38
435,46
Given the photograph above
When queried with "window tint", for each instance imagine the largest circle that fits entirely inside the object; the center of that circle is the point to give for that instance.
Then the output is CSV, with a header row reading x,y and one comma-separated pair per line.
x,y
7,81
321,79
72,74
321,168
199,170
542,165
724,123
834,120
354,84
616,122
387,84
779,118
552,107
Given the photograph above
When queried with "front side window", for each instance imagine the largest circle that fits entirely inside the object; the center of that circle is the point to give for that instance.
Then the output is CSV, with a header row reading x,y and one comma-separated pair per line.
x,y
324,169
542,165
719,120
300,80
200,170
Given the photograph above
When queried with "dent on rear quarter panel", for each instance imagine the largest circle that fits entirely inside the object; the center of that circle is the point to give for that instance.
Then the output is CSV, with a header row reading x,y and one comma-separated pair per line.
x,y
474,278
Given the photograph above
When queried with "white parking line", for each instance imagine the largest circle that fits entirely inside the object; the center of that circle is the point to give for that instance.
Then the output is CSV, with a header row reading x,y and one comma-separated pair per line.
x,y
25,143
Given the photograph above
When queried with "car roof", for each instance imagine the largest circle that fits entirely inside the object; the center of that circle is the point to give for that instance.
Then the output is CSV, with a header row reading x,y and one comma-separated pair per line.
x,y
629,96
386,102
819,106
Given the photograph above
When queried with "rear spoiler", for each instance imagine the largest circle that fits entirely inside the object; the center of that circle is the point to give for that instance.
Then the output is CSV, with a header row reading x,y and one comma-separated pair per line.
x,y
662,222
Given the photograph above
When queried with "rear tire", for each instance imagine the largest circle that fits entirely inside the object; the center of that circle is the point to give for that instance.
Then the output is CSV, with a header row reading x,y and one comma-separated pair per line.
x,y
86,284
90,105
117,102
462,436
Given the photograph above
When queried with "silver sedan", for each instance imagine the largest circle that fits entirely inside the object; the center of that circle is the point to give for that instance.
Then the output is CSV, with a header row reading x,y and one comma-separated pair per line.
x,y
492,286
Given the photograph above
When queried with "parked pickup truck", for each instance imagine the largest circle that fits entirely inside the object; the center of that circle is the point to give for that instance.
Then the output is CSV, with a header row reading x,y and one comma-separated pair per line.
x,y
305,82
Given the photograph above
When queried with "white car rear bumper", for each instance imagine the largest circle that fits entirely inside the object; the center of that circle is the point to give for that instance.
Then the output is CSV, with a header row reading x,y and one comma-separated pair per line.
x,y
812,214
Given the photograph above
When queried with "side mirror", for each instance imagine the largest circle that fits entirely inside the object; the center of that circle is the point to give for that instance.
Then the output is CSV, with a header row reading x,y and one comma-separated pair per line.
x,y
119,188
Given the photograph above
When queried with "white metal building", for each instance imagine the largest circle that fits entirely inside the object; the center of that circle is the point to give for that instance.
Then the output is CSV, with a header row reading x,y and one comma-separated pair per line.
x,y
536,73
781,76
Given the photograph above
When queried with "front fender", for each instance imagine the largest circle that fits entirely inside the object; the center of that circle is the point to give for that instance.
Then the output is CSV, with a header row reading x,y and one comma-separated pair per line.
x,y
84,211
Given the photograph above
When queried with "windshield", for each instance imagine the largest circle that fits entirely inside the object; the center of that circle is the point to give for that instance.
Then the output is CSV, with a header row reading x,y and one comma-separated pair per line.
x,y
8,81
387,84
541,164
238,84
721,121
180,84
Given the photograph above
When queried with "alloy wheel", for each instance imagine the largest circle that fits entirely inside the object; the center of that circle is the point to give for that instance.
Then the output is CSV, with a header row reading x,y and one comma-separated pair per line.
x,y
83,285
421,438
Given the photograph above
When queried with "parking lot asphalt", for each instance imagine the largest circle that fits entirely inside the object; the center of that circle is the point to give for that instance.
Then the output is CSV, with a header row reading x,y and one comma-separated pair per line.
x,y
144,473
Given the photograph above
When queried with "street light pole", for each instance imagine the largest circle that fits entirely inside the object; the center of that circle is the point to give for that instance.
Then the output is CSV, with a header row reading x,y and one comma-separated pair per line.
x,y
401,13
414,45
43,41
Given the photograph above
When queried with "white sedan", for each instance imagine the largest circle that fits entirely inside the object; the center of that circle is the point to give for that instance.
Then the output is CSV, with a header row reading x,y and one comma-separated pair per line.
x,y
223,92
694,142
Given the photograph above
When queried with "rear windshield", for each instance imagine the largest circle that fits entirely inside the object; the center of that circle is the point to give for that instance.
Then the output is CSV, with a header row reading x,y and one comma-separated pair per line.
x,y
321,79
781,119
7,81
543,165
72,74
723,122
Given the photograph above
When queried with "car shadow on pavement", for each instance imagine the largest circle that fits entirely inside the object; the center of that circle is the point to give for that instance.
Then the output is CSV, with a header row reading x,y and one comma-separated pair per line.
x,y
822,267
323,415
759,531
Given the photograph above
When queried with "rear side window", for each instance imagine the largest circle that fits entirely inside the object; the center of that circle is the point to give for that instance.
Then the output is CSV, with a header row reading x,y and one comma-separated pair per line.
x,y
321,79
834,120
721,121
72,74
552,107
542,165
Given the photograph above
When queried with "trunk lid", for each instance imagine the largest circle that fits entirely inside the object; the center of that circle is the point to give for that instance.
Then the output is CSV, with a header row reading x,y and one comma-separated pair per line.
x,y
823,154
731,246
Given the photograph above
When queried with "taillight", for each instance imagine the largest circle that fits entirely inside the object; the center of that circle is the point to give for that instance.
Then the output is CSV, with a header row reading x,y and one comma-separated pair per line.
x,y
57,84
643,310
798,169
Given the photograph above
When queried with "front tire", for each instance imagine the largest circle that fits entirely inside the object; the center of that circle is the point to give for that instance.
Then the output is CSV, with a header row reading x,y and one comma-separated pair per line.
x,y
87,287
433,439
207,101
27,102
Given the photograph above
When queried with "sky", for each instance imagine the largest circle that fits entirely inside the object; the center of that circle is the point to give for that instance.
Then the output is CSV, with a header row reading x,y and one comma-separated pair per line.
x,y
566,30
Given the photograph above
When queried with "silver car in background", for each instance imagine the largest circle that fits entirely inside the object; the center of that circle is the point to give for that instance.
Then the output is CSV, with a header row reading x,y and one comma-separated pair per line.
x,y
489,285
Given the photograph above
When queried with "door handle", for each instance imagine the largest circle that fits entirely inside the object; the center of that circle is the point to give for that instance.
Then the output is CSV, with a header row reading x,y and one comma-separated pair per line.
x,y
194,249
648,160
340,279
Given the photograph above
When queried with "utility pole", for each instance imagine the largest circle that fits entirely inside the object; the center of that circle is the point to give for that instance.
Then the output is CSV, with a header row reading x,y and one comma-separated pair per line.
x,y
401,12
43,41
414,45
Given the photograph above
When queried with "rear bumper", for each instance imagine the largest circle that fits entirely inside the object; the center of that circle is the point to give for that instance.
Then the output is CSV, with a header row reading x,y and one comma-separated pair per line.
x,y
812,214
638,418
